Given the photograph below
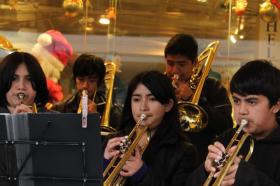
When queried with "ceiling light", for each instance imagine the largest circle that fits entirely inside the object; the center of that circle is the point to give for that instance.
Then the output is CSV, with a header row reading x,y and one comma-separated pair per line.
x,y
202,1
233,38
104,20
241,36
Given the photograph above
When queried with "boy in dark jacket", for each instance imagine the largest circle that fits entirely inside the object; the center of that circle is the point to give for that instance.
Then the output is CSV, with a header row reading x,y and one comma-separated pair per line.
x,y
256,92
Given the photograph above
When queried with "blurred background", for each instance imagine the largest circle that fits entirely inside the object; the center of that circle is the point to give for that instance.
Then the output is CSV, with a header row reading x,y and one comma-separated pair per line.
x,y
133,33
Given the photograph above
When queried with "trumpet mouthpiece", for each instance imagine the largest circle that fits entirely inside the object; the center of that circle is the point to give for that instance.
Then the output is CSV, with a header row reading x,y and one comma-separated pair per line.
x,y
243,122
84,92
143,116
21,95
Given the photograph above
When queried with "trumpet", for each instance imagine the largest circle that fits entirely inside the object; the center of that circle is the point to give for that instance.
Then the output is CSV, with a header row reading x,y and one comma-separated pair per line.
x,y
227,160
84,98
111,174
21,96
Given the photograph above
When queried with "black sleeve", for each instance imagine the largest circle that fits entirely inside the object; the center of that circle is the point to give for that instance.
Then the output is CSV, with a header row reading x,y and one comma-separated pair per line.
x,y
115,116
197,177
248,174
217,105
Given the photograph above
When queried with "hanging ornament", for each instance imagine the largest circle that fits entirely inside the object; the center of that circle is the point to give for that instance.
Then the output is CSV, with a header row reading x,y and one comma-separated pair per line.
x,y
240,7
276,3
5,43
111,12
73,5
268,12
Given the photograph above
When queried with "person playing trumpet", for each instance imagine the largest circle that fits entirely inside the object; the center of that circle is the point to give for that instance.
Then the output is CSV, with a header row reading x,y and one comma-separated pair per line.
x,y
23,87
168,156
88,74
256,95
181,54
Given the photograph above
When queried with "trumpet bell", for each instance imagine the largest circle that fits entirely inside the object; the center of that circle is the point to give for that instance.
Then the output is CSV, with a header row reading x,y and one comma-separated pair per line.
x,y
193,118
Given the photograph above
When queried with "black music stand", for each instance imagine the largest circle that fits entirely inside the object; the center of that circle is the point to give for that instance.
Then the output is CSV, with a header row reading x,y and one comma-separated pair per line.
x,y
50,149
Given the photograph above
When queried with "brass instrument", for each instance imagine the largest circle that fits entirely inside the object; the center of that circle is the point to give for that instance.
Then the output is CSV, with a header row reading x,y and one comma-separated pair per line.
x,y
227,159
111,173
193,118
80,108
21,97
111,69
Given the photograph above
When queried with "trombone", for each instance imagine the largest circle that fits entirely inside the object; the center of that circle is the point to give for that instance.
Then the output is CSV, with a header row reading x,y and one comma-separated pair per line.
x,y
194,118
111,174
227,160
111,69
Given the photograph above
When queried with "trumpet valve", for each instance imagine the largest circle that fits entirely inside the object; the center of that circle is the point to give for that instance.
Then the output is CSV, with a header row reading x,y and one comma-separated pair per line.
x,y
125,144
219,163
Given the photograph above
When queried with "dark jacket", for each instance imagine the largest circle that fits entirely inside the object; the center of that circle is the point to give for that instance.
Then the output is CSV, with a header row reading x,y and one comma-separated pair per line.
x,y
262,169
169,162
214,100
168,159
71,105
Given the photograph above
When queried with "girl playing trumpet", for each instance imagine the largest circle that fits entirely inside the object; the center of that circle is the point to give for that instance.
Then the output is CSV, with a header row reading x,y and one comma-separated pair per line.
x,y
169,157
22,84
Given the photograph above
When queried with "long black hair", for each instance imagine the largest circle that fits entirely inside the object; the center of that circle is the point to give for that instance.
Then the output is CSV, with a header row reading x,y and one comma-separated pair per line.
x,y
8,67
161,88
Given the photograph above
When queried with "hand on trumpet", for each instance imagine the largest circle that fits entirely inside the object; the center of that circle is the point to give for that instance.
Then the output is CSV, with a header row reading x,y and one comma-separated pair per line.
x,y
112,147
91,106
22,108
133,164
215,159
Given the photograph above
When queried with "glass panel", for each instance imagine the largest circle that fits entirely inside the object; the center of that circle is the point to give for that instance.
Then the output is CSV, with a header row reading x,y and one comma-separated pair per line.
x,y
139,29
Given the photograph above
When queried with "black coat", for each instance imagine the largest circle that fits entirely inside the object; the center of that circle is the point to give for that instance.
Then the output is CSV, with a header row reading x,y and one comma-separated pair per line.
x,y
169,159
262,169
214,100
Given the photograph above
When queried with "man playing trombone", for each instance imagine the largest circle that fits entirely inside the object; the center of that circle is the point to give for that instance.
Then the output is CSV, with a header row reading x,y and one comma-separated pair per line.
x,y
256,95
181,58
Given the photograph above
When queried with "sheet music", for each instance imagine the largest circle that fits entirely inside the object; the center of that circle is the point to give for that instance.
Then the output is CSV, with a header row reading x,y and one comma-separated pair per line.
x,y
18,129
66,155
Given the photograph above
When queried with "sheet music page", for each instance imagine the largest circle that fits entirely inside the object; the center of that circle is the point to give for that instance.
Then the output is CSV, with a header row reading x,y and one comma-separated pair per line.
x,y
18,130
